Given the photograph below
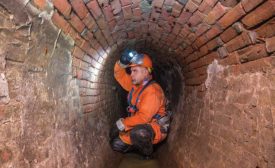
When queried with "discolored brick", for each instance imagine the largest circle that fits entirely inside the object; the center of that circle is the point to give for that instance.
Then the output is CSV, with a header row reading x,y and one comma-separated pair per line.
x,y
63,6
80,8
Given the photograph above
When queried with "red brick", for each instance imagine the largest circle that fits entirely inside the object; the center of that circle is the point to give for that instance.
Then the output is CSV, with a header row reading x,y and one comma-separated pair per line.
x,y
80,8
257,65
207,5
77,23
270,44
202,28
267,30
246,38
63,6
196,81
157,3
78,53
218,11
231,16
196,18
116,6
101,22
260,14
248,5
200,41
127,12
231,59
5,155
94,8
229,3
177,8
214,44
213,32
252,53
137,13
191,6
125,2
228,34
108,13
90,23
184,17
41,4
60,22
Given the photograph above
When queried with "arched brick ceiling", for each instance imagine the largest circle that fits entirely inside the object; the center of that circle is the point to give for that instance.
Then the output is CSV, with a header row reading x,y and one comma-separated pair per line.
x,y
194,31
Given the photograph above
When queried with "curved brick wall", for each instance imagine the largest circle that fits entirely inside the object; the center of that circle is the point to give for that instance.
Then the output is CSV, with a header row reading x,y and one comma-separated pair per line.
x,y
214,58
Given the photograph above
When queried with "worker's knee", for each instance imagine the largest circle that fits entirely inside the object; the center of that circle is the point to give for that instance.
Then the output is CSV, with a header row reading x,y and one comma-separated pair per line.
x,y
142,137
142,132
118,145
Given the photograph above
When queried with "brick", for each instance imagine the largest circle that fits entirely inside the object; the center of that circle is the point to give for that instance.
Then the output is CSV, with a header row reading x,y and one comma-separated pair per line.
x,y
252,53
214,44
157,3
80,8
213,32
78,53
177,8
257,65
41,4
248,5
63,6
116,6
231,16
202,28
231,59
207,5
184,17
232,32
127,12
196,81
229,3
260,14
266,30
218,11
90,23
228,34
94,8
200,41
245,39
196,18
137,14
125,2
108,13
60,22
77,23
102,24
270,44
191,6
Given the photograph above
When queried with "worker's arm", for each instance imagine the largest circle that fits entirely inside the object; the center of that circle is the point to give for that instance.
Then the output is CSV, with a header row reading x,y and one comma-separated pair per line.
x,y
149,105
122,77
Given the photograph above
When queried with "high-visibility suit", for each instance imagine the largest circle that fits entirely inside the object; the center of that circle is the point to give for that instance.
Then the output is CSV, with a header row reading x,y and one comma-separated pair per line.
x,y
151,102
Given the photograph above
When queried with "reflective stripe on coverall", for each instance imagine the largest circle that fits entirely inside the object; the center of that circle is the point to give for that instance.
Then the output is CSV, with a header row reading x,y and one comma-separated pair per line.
x,y
151,102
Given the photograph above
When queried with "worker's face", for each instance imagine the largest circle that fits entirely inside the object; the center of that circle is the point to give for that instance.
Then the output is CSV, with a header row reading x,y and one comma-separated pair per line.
x,y
138,74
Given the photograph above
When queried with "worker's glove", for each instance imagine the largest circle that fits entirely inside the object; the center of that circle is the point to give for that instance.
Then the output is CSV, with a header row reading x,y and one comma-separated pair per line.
x,y
120,124
127,57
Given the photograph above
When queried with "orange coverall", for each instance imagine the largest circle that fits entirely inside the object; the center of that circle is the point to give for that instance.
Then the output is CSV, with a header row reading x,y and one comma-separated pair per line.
x,y
151,102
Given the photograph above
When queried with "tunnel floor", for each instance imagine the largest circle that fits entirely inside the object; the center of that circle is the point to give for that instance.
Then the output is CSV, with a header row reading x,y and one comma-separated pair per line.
x,y
132,160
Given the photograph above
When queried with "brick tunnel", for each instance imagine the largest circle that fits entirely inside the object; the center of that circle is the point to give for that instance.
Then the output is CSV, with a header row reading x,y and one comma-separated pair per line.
x,y
214,59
